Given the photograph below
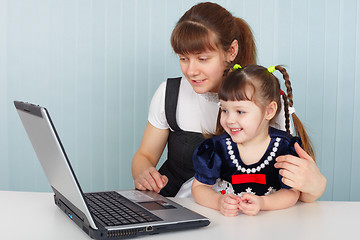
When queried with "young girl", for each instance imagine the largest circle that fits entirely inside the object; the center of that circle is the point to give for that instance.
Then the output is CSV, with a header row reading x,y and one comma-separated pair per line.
x,y
184,107
242,153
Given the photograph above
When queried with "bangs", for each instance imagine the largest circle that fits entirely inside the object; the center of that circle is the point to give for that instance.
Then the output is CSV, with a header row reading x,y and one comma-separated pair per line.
x,y
191,37
237,89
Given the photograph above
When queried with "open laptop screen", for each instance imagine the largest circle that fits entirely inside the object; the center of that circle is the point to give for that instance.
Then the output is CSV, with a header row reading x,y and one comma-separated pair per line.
x,y
50,152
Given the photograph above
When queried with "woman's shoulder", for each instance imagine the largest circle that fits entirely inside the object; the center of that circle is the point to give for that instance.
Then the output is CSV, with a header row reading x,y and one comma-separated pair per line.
x,y
159,95
156,115
163,84
160,91
184,86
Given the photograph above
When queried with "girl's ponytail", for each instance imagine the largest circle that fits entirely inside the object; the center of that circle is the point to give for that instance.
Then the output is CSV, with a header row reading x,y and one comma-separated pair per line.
x,y
288,103
247,48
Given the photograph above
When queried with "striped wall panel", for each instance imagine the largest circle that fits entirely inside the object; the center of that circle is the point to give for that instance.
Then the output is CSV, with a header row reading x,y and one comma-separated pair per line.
x,y
96,64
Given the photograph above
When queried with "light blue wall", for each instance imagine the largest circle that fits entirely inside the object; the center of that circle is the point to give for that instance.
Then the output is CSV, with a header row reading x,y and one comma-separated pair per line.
x,y
95,65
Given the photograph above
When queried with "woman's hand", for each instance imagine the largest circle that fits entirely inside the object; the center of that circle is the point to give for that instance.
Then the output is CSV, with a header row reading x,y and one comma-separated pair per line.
x,y
145,175
229,205
250,204
302,174
150,179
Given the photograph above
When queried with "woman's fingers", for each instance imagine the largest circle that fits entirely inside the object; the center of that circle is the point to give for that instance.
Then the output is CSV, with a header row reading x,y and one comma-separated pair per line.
x,y
302,154
151,180
300,172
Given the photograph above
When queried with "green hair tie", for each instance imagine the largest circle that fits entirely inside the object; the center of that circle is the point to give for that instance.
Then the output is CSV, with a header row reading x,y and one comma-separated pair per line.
x,y
236,66
271,69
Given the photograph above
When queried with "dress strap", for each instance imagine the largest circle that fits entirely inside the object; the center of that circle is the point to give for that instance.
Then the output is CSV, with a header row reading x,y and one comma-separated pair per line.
x,y
171,99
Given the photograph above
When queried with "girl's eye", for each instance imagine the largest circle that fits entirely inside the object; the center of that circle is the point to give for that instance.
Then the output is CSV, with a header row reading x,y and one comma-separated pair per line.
x,y
203,59
240,112
223,111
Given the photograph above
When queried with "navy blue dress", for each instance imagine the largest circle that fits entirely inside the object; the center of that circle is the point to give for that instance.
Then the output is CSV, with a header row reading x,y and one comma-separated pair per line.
x,y
218,158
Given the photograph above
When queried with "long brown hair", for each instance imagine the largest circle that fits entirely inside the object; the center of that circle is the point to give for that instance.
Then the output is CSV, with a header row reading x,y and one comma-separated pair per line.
x,y
266,88
208,26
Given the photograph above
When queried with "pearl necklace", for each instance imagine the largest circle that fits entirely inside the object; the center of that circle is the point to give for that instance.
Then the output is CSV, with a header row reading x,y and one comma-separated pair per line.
x,y
261,166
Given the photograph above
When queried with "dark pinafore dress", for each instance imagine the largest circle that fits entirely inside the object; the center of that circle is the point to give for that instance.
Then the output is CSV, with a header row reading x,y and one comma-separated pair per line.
x,y
181,144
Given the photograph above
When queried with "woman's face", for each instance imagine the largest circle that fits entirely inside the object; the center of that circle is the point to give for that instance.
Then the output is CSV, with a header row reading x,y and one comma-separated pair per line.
x,y
204,70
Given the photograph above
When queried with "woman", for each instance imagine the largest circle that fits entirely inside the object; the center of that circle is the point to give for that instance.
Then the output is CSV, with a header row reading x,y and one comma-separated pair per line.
x,y
206,38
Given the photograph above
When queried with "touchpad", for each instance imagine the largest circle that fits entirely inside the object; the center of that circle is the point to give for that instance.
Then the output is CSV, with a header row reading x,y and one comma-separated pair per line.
x,y
156,205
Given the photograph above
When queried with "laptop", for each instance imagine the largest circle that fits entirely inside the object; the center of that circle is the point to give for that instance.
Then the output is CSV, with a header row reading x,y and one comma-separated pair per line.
x,y
101,215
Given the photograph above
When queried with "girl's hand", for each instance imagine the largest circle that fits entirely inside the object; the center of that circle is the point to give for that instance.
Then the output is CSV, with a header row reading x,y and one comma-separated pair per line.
x,y
229,205
302,174
150,179
250,204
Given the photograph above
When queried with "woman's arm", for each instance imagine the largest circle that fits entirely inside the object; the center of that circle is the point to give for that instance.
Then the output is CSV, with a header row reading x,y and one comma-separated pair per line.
x,y
145,176
284,198
204,195
302,174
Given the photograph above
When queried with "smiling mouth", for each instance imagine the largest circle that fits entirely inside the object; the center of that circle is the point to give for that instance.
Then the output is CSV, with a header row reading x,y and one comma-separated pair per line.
x,y
235,130
198,81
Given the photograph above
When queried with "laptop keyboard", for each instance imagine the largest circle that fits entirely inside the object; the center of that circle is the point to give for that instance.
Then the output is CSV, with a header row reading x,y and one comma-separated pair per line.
x,y
113,209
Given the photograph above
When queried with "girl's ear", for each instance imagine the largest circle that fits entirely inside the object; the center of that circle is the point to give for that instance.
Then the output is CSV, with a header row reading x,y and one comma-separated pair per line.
x,y
270,110
233,50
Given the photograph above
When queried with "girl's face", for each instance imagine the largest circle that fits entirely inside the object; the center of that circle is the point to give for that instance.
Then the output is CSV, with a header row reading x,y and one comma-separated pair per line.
x,y
244,121
204,70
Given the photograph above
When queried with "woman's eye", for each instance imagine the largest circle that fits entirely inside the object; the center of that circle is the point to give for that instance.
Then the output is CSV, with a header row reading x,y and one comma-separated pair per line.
x,y
182,58
240,112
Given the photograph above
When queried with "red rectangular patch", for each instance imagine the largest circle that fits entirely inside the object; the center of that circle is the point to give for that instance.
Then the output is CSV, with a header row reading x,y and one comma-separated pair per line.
x,y
249,178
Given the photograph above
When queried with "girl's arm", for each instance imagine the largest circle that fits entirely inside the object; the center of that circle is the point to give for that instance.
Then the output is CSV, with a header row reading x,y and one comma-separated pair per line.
x,y
284,198
145,176
281,199
302,174
204,195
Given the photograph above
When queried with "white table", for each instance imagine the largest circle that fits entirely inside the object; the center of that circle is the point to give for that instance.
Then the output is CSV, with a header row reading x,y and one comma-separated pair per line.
x,y
29,215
